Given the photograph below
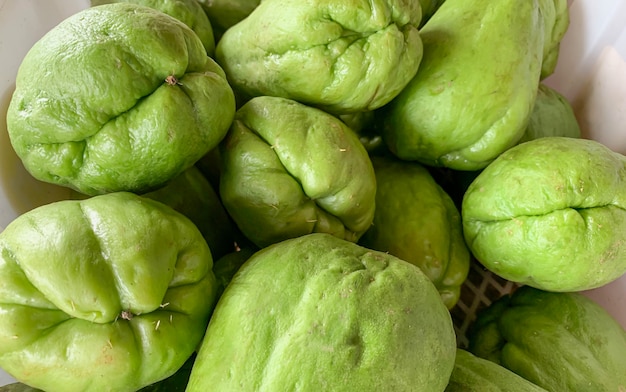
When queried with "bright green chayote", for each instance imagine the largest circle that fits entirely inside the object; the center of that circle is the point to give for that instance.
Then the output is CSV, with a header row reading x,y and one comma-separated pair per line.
x,y
224,14
475,87
552,115
318,313
111,293
187,11
417,221
563,342
340,55
556,21
550,213
475,374
118,97
289,169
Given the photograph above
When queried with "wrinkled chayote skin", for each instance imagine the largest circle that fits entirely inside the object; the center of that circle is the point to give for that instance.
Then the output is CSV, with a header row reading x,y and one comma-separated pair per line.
x,y
318,313
191,194
223,14
111,293
550,213
187,11
552,115
289,169
417,221
475,374
118,97
560,341
342,56
461,111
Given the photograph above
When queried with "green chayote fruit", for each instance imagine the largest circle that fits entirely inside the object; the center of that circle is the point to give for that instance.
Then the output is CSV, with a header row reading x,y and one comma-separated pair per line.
x,y
118,97
187,11
475,88
475,374
556,22
318,313
191,194
340,55
552,115
289,169
224,14
563,342
417,221
550,213
111,293
174,383
227,266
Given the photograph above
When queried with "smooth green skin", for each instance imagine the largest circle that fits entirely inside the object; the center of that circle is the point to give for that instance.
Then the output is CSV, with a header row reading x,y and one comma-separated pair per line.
x,y
318,313
68,272
223,14
550,213
417,221
187,11
552,115
475,88
289,169
174,383
560,341
342,56
556,22
192,195
475,374
92,109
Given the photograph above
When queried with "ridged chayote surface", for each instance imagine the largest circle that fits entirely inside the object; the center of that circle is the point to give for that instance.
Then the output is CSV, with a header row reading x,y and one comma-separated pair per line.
x,y
111,293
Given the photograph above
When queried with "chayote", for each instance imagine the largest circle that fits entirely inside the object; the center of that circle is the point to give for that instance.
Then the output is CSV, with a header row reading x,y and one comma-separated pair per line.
x,y
118,97
111,293
417,221
475,87
187,11
289,169
563,342
174,383
318,313
227,266
552,115
342,56
191,194
475,374
550,213
556,18
224,14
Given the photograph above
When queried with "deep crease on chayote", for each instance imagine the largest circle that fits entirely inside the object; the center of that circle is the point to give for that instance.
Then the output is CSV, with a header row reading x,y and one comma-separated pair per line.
x,y
110,293
118,97
289,169
342,56
550,213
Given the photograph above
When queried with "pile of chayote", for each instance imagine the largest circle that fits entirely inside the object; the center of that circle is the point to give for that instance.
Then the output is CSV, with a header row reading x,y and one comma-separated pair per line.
x,y
287,195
